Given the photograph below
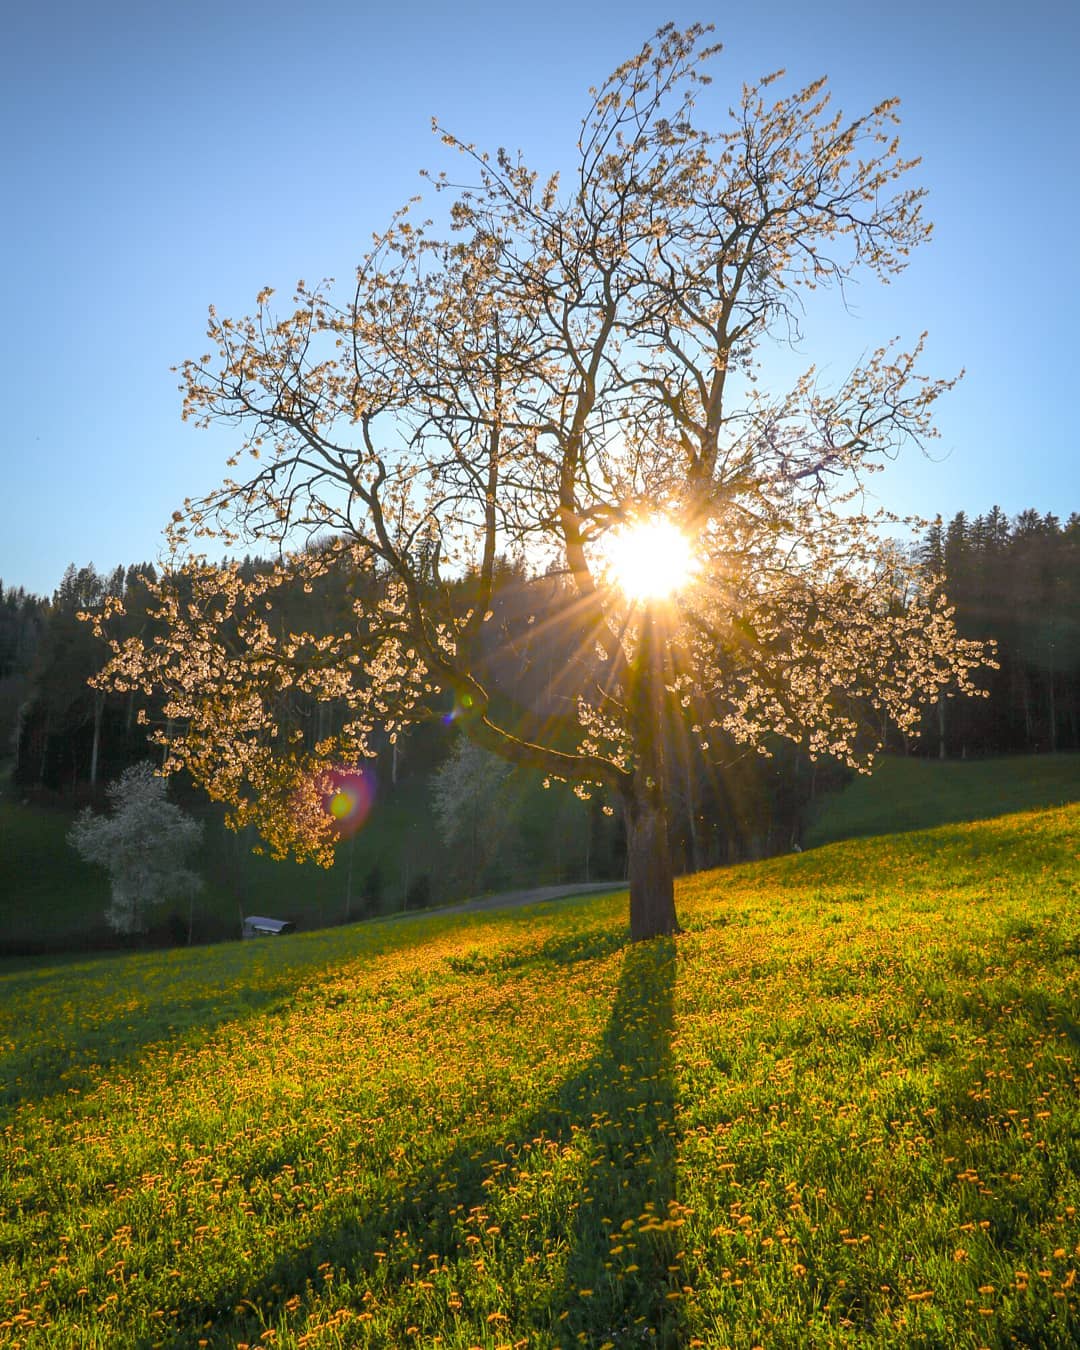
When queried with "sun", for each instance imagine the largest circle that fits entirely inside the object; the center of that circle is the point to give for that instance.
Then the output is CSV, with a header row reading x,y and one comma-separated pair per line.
x,y
650,559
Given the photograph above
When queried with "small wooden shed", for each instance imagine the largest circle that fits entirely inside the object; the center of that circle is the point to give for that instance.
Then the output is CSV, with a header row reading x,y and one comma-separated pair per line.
x,y
255,925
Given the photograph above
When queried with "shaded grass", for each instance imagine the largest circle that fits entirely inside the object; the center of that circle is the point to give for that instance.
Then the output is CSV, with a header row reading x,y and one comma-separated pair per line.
x,y
55,900
841,1109
49,894
919,794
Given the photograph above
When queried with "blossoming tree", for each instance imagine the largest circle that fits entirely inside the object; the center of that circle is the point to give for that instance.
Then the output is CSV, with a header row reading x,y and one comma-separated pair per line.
x,y
570,376
143,844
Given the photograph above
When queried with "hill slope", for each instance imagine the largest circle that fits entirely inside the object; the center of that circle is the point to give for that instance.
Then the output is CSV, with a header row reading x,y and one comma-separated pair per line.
x,y
53,901
841,1108
917,794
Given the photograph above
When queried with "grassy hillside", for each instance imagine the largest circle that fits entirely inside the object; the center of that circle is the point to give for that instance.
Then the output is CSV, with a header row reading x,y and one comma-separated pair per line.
x,y
917,794
48,895
842,1108
52,900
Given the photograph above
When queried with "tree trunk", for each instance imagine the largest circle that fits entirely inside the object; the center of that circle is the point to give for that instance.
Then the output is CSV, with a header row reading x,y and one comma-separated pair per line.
x,y
95,749
691,814
652,885
44,764
348,878
648,846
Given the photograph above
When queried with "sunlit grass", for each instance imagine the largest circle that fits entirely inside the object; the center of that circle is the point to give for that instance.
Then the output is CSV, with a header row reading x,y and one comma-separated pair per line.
x,y
842,1108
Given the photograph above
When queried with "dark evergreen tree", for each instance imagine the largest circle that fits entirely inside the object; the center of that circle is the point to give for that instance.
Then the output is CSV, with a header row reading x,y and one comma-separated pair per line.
x,y
1018,583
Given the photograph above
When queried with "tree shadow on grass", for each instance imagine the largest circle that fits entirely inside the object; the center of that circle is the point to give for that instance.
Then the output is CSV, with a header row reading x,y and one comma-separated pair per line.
x,y
626,1236
610,1256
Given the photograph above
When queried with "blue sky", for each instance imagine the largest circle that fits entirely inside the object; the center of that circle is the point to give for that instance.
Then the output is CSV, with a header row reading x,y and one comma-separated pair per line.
x,y
158,159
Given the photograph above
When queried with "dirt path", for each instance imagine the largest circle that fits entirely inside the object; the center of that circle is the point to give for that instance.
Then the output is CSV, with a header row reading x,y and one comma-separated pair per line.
x,y
513,899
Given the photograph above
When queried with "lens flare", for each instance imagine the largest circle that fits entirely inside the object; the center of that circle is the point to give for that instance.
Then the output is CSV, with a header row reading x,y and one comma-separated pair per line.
x,y
462,708
348,796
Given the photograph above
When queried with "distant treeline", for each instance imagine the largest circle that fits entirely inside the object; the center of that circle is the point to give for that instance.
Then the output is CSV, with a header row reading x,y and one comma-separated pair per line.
x,y
1016,581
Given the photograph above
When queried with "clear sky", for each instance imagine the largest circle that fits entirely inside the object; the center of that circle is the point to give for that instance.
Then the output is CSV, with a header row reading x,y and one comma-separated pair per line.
x,y
160,158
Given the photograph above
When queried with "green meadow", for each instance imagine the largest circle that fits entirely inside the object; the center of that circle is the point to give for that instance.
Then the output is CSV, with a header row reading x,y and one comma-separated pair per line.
x,y
906,793
53,901
841,1108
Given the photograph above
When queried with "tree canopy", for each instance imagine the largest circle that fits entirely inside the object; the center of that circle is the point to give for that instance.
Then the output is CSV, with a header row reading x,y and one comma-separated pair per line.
x,y
572,360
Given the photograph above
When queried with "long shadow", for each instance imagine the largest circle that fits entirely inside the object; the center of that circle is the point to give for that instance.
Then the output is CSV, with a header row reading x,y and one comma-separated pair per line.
x,y
626,1236
618,1279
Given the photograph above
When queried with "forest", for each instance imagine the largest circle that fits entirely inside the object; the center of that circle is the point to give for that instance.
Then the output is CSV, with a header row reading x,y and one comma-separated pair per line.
x,y
1013,581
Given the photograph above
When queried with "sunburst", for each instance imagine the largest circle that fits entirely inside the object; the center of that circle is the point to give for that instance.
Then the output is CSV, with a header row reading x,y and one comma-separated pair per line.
x,y
650,559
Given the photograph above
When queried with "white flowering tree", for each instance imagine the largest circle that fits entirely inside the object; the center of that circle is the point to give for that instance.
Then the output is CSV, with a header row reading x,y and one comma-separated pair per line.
x,y
143,844
472,807
571,377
